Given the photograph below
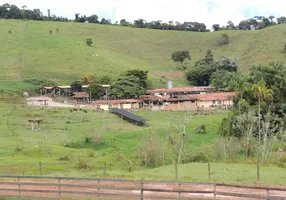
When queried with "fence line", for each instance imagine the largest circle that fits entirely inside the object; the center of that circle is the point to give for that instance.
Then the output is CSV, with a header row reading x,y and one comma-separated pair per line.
x,y
135,189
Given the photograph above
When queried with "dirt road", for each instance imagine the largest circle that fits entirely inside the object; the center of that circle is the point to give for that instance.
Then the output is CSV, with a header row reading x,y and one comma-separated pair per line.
x,y
120,190
36,101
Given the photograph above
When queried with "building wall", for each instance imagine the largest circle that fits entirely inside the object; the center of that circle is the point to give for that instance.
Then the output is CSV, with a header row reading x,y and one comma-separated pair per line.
x,y
212,104
185,105
124,106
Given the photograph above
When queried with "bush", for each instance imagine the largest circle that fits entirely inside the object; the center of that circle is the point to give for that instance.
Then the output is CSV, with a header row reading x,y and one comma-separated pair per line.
x,y
223,39
64,158
94,137
83,164
70,144
89,41
151,151
201,129
40,82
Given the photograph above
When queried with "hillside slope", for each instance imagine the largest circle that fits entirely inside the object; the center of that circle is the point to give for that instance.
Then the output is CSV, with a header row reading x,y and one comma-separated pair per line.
x,y
64,56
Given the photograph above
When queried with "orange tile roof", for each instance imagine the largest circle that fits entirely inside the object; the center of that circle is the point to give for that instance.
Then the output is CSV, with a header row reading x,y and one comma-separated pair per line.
x,y
188,89
117,101
76,95
223,96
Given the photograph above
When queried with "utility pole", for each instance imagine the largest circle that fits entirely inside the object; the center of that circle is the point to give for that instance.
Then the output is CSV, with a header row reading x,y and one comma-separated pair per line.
x,y
49,14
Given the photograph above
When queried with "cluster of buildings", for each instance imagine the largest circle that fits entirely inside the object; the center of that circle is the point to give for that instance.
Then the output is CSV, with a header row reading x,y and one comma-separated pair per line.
x,y
170,99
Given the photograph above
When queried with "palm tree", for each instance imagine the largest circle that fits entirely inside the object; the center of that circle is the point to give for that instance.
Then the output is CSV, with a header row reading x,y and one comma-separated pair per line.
x,y
261,92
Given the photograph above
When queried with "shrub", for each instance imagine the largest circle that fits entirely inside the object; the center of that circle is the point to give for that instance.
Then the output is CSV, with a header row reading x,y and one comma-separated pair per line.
x,y
70,144
201,129
64,158
83,164
89,41
94,137
10,31
51,32
223,39
40,82
151,151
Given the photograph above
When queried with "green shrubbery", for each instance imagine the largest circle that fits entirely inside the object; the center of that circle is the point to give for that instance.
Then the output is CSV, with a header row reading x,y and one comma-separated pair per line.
x,y
40,82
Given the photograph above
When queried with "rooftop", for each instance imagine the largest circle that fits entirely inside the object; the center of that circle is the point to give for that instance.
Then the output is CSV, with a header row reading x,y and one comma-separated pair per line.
x,y
77,95
117,101
188,89
223,96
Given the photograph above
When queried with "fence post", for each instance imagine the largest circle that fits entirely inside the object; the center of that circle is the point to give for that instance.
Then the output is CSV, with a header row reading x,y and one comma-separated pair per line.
x,y
98,188
258,172
180,190
104,169
267,192
40,166
19,187
142,190
59,187
209,171
214,191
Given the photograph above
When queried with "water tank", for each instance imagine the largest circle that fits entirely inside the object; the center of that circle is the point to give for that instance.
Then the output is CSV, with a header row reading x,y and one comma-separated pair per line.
x,y
170,84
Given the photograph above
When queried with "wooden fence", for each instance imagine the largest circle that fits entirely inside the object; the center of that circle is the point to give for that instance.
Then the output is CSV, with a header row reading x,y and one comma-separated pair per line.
x,y
65,187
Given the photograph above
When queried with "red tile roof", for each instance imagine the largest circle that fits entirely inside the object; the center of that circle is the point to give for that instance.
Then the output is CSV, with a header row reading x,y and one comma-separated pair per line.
x,y
223,96
172,90
151,98
77,95
117,101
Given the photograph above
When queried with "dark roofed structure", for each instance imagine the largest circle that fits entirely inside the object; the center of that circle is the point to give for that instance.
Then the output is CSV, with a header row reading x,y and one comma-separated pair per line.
x,y
128,116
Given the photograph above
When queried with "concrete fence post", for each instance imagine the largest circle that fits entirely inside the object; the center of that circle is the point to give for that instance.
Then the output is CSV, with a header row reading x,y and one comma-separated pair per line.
x,y
141,190
214,191
59,187
19,187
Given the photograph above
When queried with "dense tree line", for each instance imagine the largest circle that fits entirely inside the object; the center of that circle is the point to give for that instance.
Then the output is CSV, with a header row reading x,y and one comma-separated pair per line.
x,y
8,11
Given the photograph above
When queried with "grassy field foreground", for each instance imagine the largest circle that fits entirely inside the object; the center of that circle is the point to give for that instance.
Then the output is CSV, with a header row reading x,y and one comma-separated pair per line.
x,y
23,149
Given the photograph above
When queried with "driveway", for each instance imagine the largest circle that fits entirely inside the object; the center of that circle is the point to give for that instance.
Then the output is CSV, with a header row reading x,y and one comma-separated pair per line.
x,y
38,101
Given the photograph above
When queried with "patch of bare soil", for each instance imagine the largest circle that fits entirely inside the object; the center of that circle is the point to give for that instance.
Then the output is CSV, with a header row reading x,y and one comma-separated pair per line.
x,y
171,74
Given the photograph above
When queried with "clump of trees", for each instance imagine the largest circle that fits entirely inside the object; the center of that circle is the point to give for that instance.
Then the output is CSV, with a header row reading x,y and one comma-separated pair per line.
x,y
131,84
258,116
217,73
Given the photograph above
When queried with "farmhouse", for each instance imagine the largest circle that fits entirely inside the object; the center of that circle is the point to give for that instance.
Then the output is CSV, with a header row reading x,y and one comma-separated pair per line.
x,y
181,91
65,90
190,102
127,104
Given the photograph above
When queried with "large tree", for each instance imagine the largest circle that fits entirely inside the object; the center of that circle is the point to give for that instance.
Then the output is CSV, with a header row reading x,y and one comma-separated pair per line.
x,y
76,86
95,90
141,74
181,57
92,19
127,87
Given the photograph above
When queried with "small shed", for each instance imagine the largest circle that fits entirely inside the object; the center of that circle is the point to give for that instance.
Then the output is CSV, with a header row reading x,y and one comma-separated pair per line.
x,y
80,97
35,120
46,90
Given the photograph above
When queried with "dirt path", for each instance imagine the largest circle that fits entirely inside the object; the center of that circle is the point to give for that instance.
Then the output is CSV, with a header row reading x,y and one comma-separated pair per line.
x,y
90,188
35,101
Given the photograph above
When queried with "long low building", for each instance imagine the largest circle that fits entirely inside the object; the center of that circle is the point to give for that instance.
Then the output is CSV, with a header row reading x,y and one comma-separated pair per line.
x,y
174,103
127,104
190,102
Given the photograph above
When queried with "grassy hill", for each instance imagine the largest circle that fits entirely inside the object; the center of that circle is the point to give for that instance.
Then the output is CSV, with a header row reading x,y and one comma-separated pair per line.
x,y
64,56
